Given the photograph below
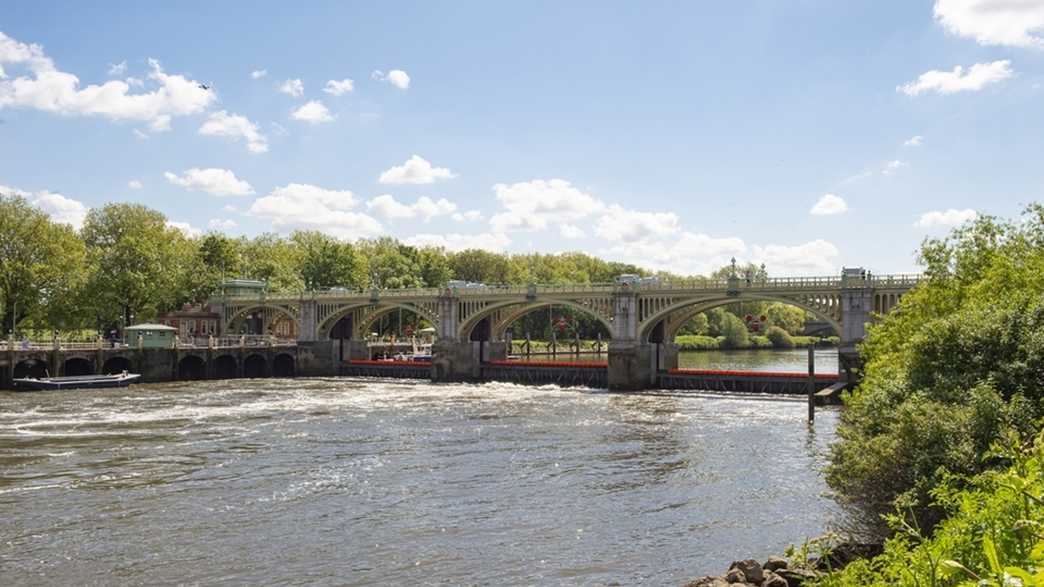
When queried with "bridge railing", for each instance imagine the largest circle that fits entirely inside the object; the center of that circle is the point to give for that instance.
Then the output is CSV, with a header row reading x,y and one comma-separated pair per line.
x,y
693,284
242,341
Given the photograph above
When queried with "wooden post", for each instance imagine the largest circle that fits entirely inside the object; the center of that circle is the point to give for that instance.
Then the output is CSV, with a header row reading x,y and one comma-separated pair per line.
x,y
811,384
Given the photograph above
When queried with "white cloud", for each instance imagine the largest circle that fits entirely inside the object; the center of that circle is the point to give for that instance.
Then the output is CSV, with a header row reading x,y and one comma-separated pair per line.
x,y
388,207
893,166
914,141
533,205
214,181
118,69
469,216
235,127
229,208
495,242
994,22
293,87
959,80
43,87
571,231
817,257
620,224
134,184
829,205
140,135
338,88
395,77
416,170
222,224
951,217
685,253
313,112
258,73
186,229
60,208
298,205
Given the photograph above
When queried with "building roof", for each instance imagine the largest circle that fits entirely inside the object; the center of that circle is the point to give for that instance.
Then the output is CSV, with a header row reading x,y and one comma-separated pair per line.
x,y
150,327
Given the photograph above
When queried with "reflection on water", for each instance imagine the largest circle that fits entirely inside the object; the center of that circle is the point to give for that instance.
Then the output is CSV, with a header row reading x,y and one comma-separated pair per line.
x,y
351,482
760,360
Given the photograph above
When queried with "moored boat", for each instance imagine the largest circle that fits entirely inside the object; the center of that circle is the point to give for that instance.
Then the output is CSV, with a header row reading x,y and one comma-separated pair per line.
x,y
77,382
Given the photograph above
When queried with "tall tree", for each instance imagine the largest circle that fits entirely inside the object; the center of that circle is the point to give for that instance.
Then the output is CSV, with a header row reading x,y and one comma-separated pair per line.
x,y
137,262
271,258
326,261
41,266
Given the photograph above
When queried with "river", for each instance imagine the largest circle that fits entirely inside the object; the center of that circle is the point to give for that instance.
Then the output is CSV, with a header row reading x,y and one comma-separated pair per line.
x,y
364,482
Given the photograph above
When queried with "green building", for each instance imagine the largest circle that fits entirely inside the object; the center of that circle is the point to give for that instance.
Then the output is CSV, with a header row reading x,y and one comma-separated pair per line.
x,y
151,336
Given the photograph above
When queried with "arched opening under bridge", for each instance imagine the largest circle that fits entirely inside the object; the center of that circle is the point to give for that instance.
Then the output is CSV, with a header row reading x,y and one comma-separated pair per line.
x,y
263,320
761,324
34,368
283,365
77,366
225,367
192,368
116,365
384,329
543,330
255,366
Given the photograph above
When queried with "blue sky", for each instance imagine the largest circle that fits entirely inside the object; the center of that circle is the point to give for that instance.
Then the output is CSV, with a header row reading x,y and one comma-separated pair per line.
x,y
807,135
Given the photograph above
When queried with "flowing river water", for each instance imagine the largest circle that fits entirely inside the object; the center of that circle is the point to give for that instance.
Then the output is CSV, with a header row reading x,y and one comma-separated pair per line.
x,y
365,482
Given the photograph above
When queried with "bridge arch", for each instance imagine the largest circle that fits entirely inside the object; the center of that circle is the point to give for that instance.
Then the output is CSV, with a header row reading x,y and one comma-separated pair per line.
x,y
677,315
77,366
283,365
36,368
226,367
192,368
114,365
364,315
255,366
504,314
268,311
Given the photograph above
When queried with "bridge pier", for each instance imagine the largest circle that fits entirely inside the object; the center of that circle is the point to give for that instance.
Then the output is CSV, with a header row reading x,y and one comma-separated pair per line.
x,y
631,365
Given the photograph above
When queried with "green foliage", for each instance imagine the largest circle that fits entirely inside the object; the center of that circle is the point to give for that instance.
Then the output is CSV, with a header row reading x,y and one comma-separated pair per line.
x,y
780,338
696,342
697,325
42,267
327,262
993,535
734,331
959,360
789,318
138,264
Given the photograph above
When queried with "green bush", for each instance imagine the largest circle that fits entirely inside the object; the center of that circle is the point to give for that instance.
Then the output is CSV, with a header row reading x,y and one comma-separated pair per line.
x,y
696,342
993,535
760,342
780,338
961,358
735,332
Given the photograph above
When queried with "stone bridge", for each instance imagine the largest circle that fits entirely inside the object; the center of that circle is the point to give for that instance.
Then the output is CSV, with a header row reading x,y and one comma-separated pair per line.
x,y
642,318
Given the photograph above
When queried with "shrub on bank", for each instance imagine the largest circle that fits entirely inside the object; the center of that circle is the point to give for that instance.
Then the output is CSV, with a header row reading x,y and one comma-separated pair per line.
x,y
779,338
696,342
734,332
992,535
959,360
